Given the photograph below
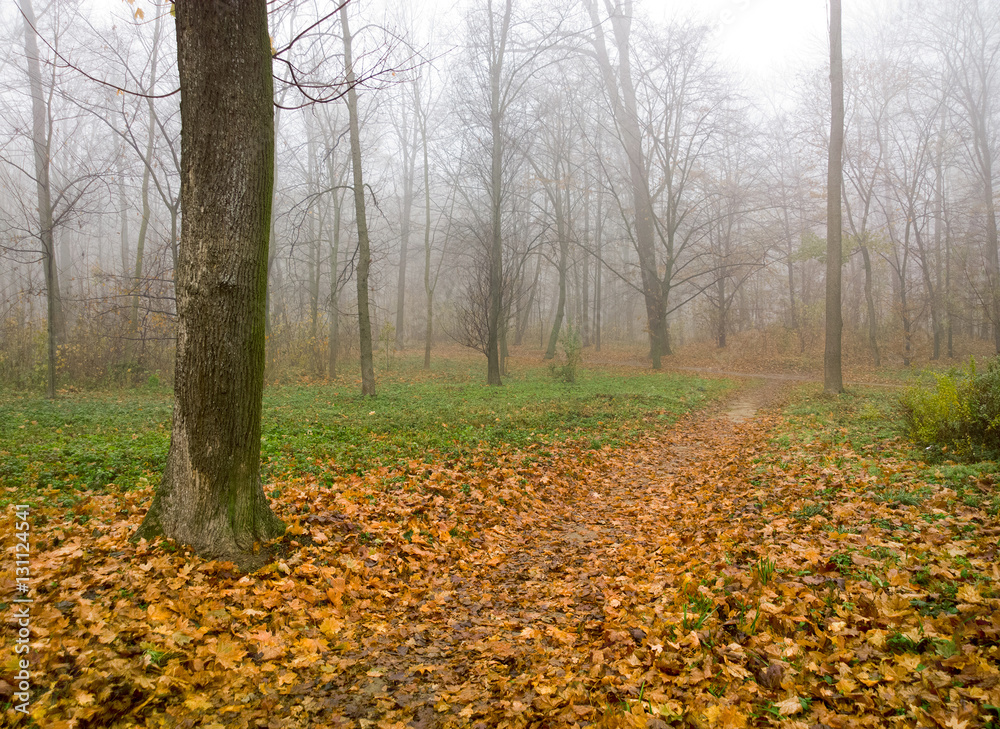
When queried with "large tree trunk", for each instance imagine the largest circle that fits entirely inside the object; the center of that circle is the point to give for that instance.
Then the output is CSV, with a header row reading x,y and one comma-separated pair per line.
x,y
41,142
210,496
833,380
364,251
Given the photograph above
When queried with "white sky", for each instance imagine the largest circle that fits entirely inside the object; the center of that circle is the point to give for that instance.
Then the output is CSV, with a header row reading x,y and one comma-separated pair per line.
x,y
767,40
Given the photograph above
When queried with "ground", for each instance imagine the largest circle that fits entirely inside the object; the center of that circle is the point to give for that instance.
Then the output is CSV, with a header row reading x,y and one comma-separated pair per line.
x,y
743,566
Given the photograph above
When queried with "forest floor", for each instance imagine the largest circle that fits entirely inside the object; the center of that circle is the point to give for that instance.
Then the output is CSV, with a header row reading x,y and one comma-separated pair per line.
x,y
772,560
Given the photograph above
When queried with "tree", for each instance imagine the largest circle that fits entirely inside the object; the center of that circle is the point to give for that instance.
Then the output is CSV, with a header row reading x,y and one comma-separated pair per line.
x,y
504,54
407,129
833,380
968,38
364,251
621,90
874,85
41,138
499,34
210,496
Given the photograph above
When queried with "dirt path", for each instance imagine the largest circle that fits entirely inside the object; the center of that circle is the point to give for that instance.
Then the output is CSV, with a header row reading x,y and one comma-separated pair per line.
x,y
696,579
530,627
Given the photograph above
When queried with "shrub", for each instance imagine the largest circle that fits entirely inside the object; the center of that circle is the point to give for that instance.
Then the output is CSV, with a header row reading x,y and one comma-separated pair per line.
x,y
961,412
572,347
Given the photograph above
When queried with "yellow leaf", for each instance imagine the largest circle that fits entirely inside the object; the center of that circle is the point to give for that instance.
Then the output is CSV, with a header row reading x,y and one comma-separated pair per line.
x,y
158,613
969,594
330,627
732,718
139,15
228,654
846,685
789,706
561,635
198,703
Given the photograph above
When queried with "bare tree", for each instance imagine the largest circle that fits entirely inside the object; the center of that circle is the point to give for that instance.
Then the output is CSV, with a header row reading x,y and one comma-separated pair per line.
x,y
833,380
620,86
361,220
41,142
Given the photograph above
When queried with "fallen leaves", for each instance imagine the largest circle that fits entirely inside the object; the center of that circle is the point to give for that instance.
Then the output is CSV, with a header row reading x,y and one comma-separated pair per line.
x,y
701,578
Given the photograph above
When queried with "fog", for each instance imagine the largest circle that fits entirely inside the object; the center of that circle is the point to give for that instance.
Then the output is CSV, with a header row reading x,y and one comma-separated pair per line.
x,y
675,199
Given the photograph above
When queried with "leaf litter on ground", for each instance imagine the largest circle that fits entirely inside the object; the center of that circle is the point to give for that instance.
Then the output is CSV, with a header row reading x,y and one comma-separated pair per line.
x,y
709,575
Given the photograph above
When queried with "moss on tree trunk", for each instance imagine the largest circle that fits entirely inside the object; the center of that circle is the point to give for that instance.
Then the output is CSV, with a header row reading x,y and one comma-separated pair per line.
x,y
210,496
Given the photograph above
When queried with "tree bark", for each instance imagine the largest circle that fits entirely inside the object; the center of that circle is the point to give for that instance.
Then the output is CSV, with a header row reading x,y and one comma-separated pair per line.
x,y
40,138
364,250
210,496
833,381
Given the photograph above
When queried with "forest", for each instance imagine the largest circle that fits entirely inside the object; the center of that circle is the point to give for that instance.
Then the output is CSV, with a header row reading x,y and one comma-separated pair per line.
x,y
734,240
498,364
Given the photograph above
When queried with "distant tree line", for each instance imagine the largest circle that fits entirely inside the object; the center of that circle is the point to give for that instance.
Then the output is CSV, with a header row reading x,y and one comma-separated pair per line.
x,y
501,176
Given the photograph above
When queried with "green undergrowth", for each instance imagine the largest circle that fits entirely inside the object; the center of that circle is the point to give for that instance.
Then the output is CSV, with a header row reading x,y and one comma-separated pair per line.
x,y
865,432
89,441
958,416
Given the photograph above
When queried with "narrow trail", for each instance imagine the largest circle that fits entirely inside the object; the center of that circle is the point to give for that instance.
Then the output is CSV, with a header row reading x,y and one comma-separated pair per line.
x,y
702,577
533,624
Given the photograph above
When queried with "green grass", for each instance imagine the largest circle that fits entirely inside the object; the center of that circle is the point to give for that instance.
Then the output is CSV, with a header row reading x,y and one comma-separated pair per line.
x,y
88,441
865,416
871,419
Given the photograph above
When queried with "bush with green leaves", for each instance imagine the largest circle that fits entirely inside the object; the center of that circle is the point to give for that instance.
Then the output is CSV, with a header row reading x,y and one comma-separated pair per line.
x,y
960,413
572,347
